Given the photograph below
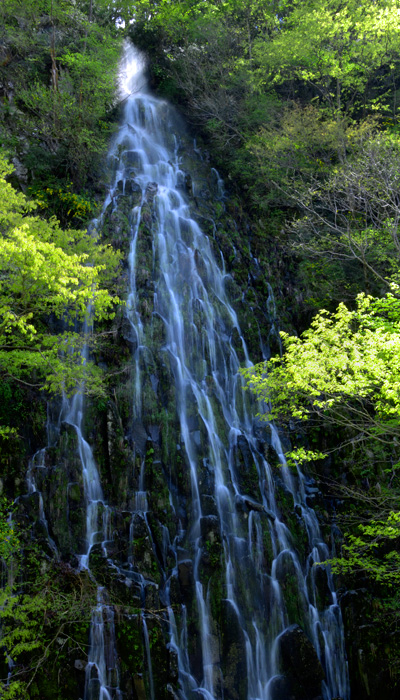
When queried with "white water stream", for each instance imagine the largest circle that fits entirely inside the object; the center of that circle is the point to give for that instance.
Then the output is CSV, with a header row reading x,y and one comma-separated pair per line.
x,y
200,323
102,678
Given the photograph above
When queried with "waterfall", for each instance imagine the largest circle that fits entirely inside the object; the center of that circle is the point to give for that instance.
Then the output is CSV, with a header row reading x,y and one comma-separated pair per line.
x,y
213,544
217,435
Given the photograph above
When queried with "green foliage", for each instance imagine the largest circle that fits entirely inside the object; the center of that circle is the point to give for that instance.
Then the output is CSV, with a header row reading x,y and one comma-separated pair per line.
x,y
64,203
342,377
9,540
367,552
349,227
285,92
56,118
47,271
344,369
44,624
334,48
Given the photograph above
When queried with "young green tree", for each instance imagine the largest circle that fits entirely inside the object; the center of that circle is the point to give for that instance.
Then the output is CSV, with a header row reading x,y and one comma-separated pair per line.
x,y
47,272
343,371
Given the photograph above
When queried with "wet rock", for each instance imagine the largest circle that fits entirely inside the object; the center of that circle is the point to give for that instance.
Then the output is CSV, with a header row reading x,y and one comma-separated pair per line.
x,y
187,236
243,503
131,158
145,226
324,595
151,599
292,593
125,591
143,279
29,504
97,559
74,492
173,666
139,436
154,381
188,183
93,690
233,654
128,332
171,694
142,550
174,590
207,481
270,454
151,191
285,565
246,469
139,686
185,575
209,526
193,423
60,483
196,436
157,535
280,688
131,187
300,663
154,432
209,505
237,343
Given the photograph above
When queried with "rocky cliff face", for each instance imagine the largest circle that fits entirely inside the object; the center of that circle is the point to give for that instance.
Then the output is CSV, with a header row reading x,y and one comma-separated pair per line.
x,y
196,542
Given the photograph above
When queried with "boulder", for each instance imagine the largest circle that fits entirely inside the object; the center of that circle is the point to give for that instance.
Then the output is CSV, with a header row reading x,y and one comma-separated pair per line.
x,y
280,688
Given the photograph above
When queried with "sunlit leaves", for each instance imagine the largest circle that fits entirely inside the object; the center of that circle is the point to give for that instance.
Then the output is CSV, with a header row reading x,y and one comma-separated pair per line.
x,y
335,47
47,271
370,551
343,356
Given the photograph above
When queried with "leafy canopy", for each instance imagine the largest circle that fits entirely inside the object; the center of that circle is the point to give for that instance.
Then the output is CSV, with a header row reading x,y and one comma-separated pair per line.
x,y
335,47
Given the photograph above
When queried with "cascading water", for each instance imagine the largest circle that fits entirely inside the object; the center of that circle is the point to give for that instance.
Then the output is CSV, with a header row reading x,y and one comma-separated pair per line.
x,y
102,680
102,668
210,546
202,342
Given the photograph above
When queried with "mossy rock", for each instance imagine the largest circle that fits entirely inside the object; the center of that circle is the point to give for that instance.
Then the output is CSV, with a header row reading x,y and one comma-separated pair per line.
x,y
233,654
246,469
